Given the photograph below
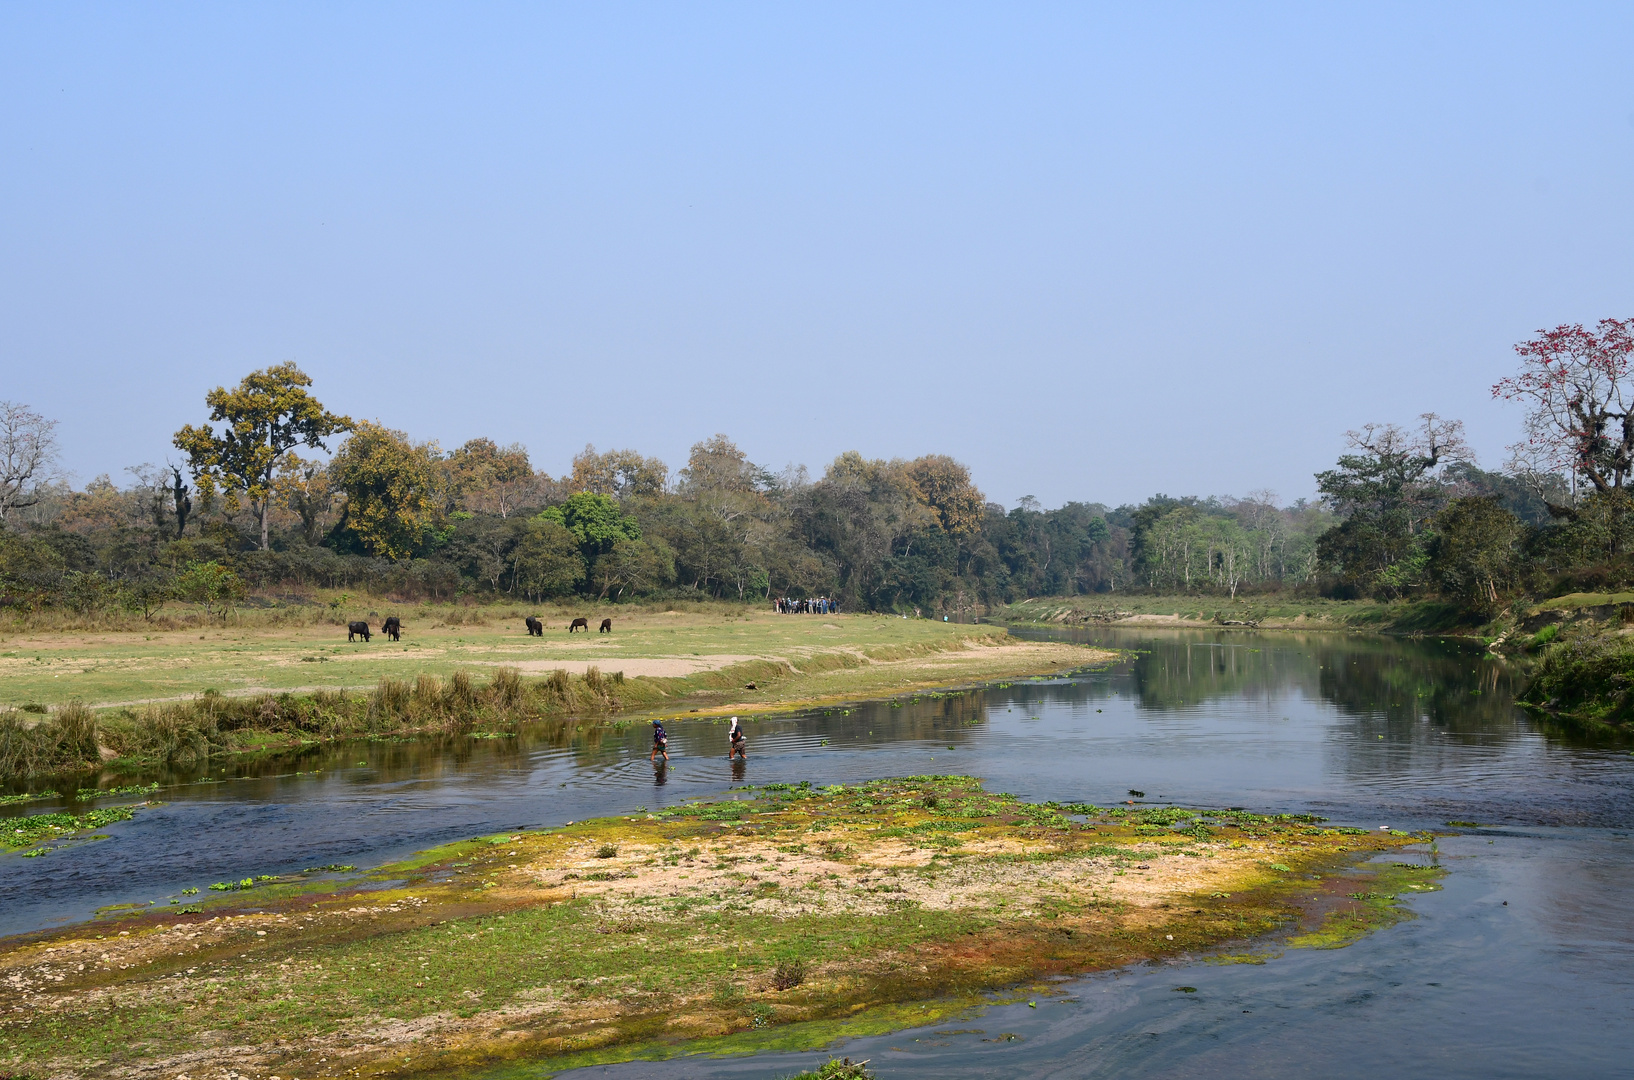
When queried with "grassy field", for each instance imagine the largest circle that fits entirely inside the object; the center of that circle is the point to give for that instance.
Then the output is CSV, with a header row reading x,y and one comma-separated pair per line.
x,y
128,668
126,701
780,919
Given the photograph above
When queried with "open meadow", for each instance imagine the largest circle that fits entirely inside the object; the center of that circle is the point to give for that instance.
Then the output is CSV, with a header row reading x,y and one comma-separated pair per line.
x,y
105,669
71,700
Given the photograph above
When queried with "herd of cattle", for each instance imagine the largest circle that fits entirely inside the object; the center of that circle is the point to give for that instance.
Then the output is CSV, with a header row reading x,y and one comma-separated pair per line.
x,y
393,628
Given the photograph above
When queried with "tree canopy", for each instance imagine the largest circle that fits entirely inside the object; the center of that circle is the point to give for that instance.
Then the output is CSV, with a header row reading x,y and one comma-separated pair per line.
x,y
267,415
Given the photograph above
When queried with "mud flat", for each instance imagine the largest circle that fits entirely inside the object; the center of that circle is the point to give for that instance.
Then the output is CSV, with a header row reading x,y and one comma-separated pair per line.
x,y
780,918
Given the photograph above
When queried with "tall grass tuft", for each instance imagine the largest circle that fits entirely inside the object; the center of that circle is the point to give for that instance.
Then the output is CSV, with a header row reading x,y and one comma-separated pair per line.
x,y
506,690
75,732
462,696
389,704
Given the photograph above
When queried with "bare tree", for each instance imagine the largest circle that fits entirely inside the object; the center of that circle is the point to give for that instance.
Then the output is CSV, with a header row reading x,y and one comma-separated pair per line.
x,y
28,455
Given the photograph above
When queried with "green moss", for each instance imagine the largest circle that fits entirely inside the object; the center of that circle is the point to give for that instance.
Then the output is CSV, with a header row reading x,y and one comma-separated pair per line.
x,y
1375,907
458,932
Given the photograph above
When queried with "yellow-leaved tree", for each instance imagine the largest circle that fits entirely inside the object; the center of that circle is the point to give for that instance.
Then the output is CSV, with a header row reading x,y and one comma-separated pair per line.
x,y
393,488
266,416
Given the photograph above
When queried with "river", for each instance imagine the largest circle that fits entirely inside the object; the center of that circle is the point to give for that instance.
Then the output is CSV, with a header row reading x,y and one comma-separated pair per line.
x,y
1522,966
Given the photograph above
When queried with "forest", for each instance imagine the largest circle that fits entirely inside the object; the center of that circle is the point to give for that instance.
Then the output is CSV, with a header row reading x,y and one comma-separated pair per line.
x,y
272,495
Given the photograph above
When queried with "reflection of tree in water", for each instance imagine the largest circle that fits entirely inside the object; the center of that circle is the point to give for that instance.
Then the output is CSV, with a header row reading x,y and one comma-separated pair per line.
x,y
1392,684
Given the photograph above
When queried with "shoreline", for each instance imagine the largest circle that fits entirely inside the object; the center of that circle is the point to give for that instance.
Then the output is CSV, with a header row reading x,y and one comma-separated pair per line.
x,y
128,740
785,915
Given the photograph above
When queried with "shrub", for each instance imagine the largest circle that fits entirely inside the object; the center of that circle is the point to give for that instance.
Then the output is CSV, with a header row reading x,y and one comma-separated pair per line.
x,y
788,974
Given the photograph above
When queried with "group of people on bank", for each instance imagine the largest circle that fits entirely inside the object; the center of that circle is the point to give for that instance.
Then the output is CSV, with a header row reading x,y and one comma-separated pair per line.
x,y
816,605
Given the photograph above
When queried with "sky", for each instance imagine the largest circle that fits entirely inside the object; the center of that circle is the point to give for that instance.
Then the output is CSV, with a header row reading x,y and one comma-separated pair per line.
x,y
1092,251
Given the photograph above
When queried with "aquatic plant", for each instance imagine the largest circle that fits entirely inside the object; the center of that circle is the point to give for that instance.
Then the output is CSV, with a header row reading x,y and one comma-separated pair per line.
x,y
30,830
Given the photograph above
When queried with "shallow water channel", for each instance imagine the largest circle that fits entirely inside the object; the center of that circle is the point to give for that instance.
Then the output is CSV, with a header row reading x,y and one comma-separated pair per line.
x,y
1522,966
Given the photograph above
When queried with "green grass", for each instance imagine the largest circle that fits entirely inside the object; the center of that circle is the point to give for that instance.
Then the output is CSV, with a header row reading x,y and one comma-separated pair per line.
x,y
111,668
464,679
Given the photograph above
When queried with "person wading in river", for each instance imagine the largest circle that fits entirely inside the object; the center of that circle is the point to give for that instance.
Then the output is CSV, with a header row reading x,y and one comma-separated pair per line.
x,y
738,746
660,742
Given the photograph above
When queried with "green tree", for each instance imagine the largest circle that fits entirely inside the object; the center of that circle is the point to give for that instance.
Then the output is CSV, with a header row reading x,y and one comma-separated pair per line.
x,y
595,520
393,491
546,559
269,414
1473,555
1386,493
636,565
210,584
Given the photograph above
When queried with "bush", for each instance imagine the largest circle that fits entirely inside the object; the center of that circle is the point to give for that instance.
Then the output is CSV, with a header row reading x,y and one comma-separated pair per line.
x,y
1588,675
788,974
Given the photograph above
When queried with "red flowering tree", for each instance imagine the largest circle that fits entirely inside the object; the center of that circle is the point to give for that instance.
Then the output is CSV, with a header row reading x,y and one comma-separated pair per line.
x,y
1579,391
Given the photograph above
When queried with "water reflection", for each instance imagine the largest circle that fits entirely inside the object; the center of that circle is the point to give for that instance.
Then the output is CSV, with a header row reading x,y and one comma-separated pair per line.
x,y
1366,730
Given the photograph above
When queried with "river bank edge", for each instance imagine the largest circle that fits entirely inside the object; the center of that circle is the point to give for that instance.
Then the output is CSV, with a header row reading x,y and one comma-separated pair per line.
x,y
783,918
1576,651
75,748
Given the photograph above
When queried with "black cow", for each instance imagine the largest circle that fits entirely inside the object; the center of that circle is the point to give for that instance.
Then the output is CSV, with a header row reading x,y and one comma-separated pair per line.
x,y
535,627
576,623
355,628
392,628
606,627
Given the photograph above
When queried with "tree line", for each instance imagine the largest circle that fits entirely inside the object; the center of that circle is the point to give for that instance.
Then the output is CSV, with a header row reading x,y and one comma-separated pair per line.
x,y
272,492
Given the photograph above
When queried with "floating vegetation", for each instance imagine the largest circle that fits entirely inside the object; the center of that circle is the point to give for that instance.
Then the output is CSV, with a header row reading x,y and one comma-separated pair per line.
x,y
17,800
329,868
87,794
246,883
28,831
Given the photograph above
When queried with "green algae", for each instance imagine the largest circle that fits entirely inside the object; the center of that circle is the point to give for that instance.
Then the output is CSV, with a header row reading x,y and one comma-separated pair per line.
x,y
479,939
783,1039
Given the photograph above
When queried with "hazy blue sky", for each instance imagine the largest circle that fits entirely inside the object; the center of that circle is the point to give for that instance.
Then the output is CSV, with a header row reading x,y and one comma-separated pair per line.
x,y
1093,252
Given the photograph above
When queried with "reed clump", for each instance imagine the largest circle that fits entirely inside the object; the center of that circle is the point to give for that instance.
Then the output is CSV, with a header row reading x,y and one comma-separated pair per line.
x,y
188,733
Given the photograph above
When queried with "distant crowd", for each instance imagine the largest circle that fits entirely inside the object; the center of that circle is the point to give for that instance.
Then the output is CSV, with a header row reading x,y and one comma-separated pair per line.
x,y
816,605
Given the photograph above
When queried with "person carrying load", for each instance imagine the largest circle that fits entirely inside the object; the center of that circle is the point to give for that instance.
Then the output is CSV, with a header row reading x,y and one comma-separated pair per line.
x,y
738,744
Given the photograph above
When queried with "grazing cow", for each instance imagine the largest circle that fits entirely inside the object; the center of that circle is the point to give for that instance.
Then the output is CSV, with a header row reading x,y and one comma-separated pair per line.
x,y
392,628
606,627
535,627
576,623
357,629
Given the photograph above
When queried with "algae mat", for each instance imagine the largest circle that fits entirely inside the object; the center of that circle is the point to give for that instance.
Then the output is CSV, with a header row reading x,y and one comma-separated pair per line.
x,y
785,915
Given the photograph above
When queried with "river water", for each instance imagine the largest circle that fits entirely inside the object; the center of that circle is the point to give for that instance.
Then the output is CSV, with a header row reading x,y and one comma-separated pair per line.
x,y
1522,966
